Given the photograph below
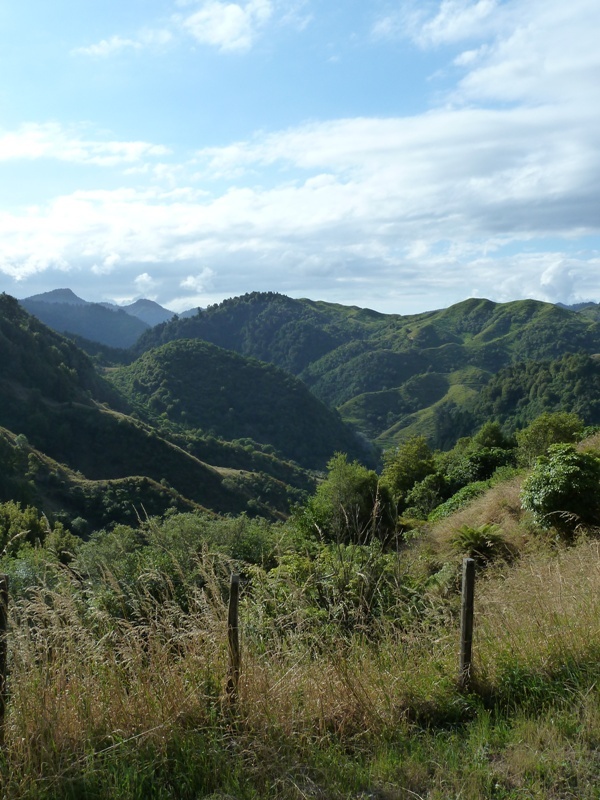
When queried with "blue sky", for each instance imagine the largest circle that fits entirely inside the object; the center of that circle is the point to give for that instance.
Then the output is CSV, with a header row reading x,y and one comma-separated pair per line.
x,y
396,155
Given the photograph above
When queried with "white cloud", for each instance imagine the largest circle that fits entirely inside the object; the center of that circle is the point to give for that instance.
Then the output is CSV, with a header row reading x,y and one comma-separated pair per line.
x,y
228,26
432,24
543,51
147,37
530,50
459,20
401,213
50,140
146,284
108,47
198,283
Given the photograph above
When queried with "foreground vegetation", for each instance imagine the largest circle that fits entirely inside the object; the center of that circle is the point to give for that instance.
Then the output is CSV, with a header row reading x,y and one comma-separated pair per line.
x,y
116,476
349,624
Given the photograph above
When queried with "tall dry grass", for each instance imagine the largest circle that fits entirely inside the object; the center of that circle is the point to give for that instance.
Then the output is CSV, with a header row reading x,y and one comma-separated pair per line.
x,y
500,505
86,686
541,618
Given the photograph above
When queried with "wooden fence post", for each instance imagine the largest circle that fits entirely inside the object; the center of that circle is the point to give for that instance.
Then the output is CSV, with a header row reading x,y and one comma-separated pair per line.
x,y
3,650
466,623
233,636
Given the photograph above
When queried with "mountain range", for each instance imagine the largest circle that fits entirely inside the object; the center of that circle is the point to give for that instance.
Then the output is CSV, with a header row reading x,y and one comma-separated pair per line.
x,y
64,311
239,406
105,444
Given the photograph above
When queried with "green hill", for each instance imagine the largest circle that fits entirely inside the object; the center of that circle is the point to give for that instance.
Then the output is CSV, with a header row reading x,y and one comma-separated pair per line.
x,y
53,397
198,385
371,366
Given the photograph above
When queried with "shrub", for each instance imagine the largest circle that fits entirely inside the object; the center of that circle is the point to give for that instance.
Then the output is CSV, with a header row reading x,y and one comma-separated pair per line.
x,y
563,489
351,505
484,543
459,500
426,495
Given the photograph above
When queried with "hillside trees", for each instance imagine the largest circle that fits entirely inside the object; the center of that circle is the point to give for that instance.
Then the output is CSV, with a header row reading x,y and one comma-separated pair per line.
x,y
406,465
350,506
546,430
563,490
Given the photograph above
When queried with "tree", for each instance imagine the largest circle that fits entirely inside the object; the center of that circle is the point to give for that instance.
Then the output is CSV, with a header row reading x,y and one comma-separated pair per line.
x,y
547,429
563,490
405,466
350,505
491,435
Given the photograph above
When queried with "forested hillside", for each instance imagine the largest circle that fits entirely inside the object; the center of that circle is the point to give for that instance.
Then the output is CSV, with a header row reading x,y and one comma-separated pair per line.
x,y
391,376
196,385
77,429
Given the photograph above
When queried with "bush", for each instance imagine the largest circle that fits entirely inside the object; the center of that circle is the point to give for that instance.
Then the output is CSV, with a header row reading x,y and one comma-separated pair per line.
x,y
484,543
546,430
459,500
563,489
350,506
426,495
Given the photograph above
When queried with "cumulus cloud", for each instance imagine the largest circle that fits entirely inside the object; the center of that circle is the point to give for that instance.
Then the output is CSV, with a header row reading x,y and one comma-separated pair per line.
x,y
198,283
146,284
403,213
228,26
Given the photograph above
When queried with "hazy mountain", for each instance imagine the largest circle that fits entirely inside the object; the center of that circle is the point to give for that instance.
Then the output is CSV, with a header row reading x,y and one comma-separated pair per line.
x,y
577,306
57,296
149,312
91,323
66,313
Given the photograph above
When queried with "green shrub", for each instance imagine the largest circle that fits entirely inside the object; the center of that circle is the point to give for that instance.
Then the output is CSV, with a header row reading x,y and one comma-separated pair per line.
x,y
350,506
484,543
563,491
426,495
459,500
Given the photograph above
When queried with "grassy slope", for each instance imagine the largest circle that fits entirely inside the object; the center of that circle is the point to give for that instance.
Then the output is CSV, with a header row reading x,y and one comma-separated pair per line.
x,y
322,714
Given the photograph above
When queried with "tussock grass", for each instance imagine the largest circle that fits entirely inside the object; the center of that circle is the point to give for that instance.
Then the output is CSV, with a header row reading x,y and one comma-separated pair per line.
x,y
131,704
499,506
539,624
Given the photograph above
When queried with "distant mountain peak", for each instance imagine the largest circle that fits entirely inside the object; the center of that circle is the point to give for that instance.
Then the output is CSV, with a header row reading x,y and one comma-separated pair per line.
x,y
58,296
148,311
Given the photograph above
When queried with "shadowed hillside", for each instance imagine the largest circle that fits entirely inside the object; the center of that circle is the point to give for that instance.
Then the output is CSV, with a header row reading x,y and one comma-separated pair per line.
x,y
198,385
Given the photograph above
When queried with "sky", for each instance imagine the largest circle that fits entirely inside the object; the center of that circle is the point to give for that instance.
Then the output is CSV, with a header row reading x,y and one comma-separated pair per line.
x,y
395,155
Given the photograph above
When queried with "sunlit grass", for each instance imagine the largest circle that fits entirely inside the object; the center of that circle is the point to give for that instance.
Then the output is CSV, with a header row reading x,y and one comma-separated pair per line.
x,y
103,704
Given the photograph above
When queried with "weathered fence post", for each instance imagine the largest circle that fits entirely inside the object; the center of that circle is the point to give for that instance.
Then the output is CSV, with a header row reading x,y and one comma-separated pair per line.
x,y
233,636
3,650
466,622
